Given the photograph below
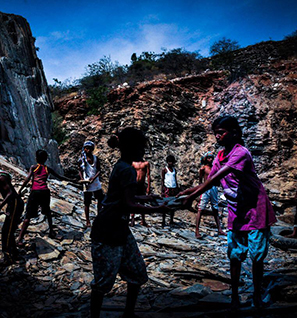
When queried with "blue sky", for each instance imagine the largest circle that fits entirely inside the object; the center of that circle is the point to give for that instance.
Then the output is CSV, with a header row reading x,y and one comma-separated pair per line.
x,y
71,34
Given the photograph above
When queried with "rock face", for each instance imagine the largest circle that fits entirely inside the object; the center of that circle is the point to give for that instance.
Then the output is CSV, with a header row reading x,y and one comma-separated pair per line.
x,y
176,116
25,117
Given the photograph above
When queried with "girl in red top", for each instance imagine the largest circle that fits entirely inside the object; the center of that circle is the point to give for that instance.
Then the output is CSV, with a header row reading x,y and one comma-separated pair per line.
x,y
40,193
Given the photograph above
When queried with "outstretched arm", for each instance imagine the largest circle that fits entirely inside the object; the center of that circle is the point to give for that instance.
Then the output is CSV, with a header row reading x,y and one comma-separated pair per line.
x,y
209,183
28,178
56,175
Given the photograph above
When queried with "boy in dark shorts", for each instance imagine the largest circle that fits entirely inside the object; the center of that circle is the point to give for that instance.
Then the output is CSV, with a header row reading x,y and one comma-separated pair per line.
x,y
169,185
14,210
40,193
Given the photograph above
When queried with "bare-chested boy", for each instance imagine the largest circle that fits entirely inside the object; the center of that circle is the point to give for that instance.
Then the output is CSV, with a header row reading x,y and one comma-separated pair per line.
x,y
143,172
14,210
210,195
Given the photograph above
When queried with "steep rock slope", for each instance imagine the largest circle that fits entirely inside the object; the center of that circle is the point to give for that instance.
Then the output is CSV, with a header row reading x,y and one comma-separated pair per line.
x,y
176,116
25,117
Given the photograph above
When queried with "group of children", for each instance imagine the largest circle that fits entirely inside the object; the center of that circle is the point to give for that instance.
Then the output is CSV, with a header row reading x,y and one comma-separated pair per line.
x,y
114,249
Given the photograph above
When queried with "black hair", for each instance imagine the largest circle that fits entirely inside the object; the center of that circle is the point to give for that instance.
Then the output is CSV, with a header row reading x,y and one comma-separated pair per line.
x,y
127,140
170,158
41,156
229,123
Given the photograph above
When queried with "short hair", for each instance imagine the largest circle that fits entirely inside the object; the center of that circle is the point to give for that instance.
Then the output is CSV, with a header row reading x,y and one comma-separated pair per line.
x,y
41,156
170,158
128,139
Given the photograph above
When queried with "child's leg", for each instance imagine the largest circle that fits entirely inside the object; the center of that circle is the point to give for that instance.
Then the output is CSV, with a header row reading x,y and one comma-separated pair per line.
x,y
258,268
96,303
132,293
87,202
87,215
235,268
217,220
171,218
132,220
143,222
52,233
163,219
198,219
25,225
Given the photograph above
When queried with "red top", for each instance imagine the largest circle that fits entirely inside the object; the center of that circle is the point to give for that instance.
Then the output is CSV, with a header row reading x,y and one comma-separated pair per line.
x,y
40,175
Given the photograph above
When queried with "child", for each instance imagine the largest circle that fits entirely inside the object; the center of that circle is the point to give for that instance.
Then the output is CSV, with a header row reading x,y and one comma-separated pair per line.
x,y
169,186
114,249
14,210
210,195
40,193
249,209
143,172
89,169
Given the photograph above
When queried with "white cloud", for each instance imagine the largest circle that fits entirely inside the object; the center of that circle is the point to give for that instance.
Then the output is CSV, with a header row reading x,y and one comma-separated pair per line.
x,y
65,55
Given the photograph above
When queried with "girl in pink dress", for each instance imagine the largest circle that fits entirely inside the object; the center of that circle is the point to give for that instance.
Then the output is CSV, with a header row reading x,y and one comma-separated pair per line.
x,y
250,213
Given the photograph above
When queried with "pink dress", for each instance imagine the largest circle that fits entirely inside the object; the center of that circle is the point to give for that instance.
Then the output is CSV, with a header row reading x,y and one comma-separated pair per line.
x,y
249,207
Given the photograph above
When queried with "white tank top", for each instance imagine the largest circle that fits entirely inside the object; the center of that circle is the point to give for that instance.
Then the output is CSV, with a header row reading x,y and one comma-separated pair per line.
x,y
89,172
170,180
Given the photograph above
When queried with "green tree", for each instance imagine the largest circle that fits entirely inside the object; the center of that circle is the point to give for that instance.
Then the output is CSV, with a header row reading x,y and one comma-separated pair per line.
x,y
223,46
178,61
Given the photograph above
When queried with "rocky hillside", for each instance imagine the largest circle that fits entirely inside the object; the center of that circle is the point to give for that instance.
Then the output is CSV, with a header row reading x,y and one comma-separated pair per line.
x,y
176,115
25,117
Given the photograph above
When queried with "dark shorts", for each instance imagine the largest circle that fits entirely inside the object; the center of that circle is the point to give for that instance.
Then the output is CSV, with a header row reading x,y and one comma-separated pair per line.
x,y
98,195
108,261
38,198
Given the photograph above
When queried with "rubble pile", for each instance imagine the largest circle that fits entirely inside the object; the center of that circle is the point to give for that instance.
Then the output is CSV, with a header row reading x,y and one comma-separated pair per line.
x,y
188,277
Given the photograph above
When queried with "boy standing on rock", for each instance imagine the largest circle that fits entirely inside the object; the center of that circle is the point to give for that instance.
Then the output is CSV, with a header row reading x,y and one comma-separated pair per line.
x,y
169,184
14,210
89,169
210,195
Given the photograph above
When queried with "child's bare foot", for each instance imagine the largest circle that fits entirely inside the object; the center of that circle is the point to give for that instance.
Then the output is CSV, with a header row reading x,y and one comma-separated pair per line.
x,y
88,223
198,235
20,243
293,235
221,232
52,234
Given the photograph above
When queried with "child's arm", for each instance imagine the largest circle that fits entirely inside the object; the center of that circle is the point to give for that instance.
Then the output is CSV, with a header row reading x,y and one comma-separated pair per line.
x,y
148,175
201,175
29,176
162,181
55,174
176,179
209,183
7,187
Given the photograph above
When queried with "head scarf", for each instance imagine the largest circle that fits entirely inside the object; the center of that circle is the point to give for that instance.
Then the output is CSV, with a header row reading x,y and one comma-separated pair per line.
x,y
5,174
206,155
83,157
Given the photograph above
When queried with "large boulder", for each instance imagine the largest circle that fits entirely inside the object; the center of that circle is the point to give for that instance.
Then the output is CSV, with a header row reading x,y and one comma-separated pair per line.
x,y
25,117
